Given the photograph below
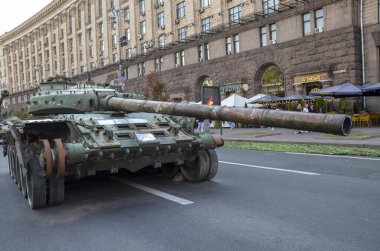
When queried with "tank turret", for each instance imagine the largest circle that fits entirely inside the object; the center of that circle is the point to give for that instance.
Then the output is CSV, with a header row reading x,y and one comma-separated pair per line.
x,y
77,130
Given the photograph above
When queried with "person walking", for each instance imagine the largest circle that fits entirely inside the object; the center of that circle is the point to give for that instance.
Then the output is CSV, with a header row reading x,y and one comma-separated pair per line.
x,y
201,126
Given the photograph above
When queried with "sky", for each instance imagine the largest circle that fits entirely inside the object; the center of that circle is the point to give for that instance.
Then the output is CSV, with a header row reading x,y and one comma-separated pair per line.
x,y
15,12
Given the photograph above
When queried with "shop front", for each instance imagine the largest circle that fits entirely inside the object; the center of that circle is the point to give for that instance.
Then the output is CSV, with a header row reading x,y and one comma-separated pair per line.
x,y
304,84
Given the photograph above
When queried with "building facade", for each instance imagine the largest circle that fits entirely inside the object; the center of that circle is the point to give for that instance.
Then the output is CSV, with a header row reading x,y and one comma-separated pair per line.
x,y
189,43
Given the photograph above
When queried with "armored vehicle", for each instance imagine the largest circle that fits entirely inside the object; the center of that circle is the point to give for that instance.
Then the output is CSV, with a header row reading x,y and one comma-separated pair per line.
x,y
74,131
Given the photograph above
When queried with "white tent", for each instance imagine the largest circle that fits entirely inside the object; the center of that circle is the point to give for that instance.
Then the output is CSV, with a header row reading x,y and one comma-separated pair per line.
x,y
234,101
256,97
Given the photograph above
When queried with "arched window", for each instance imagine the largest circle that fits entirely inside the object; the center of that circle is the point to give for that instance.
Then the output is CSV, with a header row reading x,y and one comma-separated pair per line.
x,y
272,81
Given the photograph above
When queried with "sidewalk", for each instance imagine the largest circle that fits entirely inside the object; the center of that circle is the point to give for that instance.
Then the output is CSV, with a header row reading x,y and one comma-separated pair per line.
x,y
359,136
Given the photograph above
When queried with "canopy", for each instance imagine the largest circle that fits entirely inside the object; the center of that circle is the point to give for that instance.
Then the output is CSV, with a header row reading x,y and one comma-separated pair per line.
x,y
345,89
371,90
256,97
266,99
234,101
296,97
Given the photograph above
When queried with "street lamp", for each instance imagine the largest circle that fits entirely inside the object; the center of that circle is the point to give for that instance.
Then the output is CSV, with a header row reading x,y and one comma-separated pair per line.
x,y
116,18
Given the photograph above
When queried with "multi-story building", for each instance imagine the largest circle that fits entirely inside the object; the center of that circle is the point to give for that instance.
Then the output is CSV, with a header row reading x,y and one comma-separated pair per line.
x,y
189,43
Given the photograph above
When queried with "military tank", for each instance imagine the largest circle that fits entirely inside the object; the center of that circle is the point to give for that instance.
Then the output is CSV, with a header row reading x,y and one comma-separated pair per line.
x,y
78,130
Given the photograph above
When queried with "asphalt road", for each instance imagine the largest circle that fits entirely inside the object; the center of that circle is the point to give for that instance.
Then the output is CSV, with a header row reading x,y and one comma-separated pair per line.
x,y
258,201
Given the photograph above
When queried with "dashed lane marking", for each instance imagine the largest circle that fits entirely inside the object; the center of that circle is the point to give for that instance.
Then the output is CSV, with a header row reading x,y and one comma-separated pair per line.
x,y
155,192
269,168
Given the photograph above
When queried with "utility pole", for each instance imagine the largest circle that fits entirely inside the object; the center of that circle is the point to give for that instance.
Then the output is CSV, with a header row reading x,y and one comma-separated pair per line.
x,y
116,18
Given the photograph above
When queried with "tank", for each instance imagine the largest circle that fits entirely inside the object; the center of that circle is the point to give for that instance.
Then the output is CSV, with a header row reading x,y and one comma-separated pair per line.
x,y
78,130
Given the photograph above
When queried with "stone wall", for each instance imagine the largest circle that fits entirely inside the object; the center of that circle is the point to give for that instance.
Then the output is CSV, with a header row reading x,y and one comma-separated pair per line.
x,y
331,51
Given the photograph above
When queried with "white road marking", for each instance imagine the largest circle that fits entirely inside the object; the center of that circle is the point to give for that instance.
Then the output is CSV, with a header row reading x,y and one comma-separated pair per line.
x,y
336,156
155,192
269,168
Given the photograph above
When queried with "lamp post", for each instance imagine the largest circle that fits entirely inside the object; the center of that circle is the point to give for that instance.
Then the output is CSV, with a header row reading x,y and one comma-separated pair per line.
x,y
116,18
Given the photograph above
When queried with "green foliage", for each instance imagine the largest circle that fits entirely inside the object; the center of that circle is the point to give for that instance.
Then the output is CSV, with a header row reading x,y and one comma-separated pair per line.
x,y
217,124
21,114
272,74
290,107
346,107
320,104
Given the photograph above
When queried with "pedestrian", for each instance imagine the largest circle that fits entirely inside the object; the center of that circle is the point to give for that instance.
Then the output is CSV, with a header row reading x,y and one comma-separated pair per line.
x,y
206,125
201,127
306,109
231,124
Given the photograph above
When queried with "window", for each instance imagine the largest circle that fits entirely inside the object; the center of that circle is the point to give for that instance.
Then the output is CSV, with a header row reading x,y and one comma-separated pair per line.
x,y
89,10
101,46
236,44
234,15
273,33
306,24
91,51
115,57
100,29
82,69
263,36
113,23
93,66
203,52
181,10
80,40
70,24
232,44
128,34
144,47
143,27
100,8
126,14
161,20
79,19
126,73
89,33
179,58
205,3
182,33
81,55
319,18
161,41
206,24
112,4
114,41
159,64
142,7
141,69
128,53
270,6
102,62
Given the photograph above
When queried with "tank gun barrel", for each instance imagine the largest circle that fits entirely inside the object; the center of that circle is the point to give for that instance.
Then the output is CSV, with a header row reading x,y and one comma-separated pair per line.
x,y
339,124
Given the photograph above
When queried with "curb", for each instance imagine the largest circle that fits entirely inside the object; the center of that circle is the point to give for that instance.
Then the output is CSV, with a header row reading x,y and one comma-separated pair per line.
x,y
304,143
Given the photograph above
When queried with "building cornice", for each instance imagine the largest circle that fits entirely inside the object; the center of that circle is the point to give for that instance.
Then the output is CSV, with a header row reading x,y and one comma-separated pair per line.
x,y
49,12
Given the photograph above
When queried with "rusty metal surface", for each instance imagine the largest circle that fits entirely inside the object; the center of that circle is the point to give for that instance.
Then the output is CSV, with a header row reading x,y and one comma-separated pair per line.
x,y
48,158
218,141
328,123
61,152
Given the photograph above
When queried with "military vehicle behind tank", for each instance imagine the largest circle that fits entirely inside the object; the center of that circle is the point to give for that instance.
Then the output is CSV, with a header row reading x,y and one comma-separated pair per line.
x,y
77,130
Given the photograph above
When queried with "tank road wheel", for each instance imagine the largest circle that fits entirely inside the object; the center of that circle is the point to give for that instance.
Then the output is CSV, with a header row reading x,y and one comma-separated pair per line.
x,y
23,183
14,166
170,170
35,184
56,190
213,164
198,169
10,160
57,181
18,172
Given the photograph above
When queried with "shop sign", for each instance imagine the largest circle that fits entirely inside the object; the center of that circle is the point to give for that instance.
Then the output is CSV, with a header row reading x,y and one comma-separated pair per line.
x,y
230,88
310,78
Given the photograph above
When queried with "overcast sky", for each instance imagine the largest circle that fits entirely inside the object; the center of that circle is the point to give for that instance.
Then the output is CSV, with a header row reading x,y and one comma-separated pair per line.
x,y
15,12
